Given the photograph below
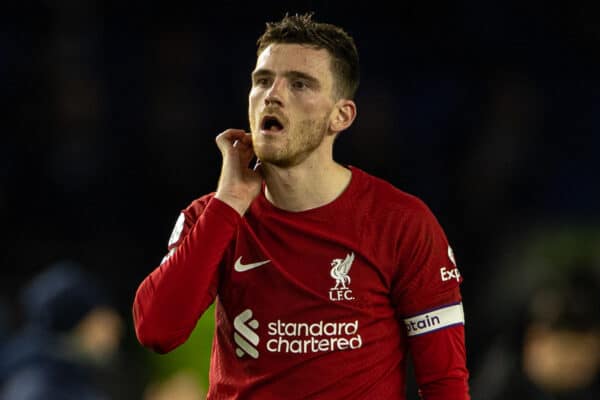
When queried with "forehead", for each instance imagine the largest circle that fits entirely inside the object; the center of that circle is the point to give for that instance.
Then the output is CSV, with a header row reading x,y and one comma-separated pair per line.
x,y
280,57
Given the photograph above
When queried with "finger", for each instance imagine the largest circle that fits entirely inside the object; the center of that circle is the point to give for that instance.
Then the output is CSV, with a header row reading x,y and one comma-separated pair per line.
x,y
242,142
243,146
226,139
246,153
247,138
230,135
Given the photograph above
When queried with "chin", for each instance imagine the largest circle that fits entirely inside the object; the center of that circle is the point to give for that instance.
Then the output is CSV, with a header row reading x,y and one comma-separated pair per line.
x,y
268,157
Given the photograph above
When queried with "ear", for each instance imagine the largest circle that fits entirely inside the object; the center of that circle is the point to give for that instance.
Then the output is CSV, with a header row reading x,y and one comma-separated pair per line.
x,y
342,116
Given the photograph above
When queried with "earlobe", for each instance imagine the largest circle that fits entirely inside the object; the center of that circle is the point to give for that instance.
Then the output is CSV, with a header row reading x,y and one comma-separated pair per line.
x,y
344,115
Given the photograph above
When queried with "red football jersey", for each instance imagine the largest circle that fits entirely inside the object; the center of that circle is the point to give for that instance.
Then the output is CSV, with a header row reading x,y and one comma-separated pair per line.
x,y
319,304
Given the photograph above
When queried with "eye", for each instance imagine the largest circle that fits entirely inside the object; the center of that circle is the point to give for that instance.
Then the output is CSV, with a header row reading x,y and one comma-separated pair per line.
x,y
299,85
262,82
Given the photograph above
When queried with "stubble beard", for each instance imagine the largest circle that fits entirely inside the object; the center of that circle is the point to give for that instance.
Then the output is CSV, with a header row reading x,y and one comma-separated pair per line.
x,y
300,142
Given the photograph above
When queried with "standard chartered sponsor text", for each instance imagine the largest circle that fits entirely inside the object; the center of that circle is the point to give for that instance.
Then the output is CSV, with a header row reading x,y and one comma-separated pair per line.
x,y
302,337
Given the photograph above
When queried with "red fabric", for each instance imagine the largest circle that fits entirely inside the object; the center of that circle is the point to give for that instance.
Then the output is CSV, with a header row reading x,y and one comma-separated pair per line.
x,y
301,326
172,298
440,365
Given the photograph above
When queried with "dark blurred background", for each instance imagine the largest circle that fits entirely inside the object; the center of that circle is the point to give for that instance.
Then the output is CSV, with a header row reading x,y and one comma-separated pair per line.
x,y
488,111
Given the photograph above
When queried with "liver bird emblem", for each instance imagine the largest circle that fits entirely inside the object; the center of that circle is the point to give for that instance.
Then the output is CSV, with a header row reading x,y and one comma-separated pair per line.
x,y
339,271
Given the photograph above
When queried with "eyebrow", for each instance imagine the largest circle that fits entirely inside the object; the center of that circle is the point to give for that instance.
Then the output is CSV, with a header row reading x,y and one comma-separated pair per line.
x,y
288,74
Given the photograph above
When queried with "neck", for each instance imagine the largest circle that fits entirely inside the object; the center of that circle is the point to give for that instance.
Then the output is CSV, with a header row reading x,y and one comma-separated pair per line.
x,y
305,186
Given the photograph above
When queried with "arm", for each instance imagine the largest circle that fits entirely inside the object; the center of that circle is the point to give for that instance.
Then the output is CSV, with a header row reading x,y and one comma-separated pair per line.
x,y
429,305
439,358
172,298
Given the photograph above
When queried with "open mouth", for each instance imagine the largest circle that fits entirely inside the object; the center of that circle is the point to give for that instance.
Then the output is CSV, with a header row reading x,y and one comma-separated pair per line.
x,y
271,123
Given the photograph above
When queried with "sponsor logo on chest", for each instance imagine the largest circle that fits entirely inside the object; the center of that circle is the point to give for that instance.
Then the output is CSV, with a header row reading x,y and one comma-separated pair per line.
x,y
293,337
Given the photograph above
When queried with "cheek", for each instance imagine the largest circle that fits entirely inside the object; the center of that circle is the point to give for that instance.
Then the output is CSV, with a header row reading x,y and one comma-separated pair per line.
x,y
254,96
317,113
253,101
317,108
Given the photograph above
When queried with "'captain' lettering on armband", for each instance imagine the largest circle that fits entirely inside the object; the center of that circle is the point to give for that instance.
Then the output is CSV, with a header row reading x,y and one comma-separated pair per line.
x,y
436,319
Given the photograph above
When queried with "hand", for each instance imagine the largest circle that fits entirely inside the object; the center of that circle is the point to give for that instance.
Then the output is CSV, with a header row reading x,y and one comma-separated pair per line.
x,y
238,184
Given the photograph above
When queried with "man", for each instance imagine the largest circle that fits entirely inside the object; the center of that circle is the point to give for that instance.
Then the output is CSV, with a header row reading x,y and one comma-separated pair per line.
x,y
324,277
68,344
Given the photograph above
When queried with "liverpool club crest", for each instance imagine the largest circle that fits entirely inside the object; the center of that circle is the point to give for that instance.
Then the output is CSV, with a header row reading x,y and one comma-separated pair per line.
x,y
340,269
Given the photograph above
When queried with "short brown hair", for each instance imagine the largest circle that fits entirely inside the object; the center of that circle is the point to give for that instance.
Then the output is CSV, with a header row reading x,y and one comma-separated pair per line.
x,y
301,29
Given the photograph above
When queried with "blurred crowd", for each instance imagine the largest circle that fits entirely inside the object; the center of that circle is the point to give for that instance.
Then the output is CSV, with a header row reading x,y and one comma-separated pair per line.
x,y
488,112
66,342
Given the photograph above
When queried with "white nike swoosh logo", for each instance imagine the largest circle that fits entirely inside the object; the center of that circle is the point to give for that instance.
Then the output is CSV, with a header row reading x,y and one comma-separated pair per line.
x,y
239,267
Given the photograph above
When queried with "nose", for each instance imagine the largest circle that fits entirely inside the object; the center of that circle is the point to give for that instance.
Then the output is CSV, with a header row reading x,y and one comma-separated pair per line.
x,y
275,93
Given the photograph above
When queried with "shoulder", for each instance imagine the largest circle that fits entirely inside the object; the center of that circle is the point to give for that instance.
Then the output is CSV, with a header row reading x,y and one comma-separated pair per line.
x,y
398,215
387,198
187,218
197,206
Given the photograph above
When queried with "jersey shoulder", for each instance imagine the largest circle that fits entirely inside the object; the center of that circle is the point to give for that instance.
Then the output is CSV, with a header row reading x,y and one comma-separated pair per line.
x,y
187,218
197,206
386,197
